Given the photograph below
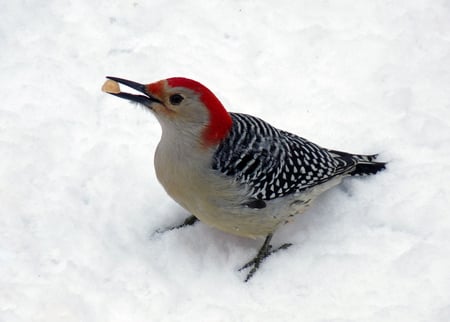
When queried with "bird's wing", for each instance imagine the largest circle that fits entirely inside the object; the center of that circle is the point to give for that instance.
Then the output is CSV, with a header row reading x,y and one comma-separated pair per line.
x,y
274,163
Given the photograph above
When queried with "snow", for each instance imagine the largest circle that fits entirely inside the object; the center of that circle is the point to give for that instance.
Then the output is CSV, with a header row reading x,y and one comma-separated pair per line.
x,y
80,201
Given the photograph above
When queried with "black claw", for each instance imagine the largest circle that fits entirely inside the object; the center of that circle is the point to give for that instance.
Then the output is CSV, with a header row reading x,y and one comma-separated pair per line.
x,y
189,221
284,246
264,252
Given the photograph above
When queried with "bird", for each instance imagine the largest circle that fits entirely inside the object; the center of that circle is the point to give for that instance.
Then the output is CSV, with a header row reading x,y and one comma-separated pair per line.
x,y
234,171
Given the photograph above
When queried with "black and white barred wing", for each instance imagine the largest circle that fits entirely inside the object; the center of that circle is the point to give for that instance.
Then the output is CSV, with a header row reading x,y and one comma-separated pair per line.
x,y
273,163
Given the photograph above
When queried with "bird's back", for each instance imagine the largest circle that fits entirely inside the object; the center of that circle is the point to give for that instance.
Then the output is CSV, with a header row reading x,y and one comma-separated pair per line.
x,y
272,163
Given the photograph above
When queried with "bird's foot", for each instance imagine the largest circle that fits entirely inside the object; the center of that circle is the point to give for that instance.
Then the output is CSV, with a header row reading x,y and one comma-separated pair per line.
x,y
189,221
265,251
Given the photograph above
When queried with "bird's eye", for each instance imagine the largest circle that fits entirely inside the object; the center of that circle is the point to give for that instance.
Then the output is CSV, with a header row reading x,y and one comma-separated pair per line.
x,y
176,99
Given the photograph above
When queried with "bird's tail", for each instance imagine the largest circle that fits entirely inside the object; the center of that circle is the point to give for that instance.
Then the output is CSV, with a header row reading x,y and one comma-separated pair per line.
x,y
367,168
363,164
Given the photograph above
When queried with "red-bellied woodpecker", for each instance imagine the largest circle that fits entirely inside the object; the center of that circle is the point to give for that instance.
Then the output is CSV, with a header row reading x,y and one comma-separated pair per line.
x,y
234,171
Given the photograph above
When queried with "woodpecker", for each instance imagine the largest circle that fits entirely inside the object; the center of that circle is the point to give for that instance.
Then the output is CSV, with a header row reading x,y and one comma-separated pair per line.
x,y
234,171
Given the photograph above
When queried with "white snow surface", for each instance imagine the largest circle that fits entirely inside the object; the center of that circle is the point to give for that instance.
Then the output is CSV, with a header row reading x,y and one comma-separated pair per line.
x,y
79,199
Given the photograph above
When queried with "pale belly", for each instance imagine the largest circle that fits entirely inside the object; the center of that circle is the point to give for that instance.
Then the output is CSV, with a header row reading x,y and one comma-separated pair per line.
x,y
226,212
218,202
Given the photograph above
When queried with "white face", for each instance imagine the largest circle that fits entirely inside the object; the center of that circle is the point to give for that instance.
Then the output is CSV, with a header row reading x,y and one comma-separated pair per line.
x,y
180,106
180,113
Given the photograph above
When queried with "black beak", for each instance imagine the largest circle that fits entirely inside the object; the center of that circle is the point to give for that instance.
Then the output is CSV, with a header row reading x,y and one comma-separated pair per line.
x,y
145,99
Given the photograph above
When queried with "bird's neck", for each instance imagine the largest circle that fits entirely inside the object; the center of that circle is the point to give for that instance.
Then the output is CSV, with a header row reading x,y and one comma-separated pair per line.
x,y
183,148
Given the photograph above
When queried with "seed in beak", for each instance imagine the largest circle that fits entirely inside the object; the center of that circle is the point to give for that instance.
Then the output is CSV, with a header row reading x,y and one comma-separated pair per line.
x,y
111,87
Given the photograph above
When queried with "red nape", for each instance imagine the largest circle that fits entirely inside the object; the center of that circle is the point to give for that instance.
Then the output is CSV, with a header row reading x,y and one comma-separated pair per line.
x,y
220,120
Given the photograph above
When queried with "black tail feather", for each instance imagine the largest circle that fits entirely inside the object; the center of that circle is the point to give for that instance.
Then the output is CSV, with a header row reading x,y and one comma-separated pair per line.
x,y
367,168
359,164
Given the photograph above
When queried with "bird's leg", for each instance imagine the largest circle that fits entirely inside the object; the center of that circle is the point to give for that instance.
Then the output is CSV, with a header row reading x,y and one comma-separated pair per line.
x,y
189,221
264,252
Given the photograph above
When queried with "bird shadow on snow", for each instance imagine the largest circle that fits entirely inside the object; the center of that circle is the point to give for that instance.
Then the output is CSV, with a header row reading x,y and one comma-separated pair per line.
x,y
204,250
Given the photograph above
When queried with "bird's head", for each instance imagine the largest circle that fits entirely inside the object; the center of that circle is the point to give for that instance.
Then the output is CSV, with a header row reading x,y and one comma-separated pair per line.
x,y
180,104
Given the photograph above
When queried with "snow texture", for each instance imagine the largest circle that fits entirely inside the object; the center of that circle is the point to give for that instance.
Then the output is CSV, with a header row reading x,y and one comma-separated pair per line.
x,y
79,199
